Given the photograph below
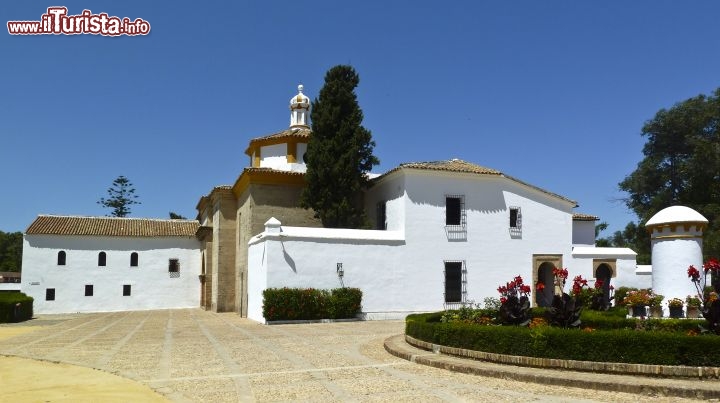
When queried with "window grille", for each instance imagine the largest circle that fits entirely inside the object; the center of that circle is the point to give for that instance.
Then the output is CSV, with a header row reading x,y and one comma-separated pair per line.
x,y
515,221
455,284
49,294
174,268
455,215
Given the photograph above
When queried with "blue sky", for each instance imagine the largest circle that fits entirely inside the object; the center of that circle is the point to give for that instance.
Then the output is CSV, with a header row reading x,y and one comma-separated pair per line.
x,y
554,93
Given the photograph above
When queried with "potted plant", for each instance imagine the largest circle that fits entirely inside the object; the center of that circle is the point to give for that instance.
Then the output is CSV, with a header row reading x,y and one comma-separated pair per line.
x,y
676,307
636,301
693,306
656,310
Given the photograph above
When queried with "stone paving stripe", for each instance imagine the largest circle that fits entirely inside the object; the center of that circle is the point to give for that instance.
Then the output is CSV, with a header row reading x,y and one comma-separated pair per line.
x,y
242,386
63,350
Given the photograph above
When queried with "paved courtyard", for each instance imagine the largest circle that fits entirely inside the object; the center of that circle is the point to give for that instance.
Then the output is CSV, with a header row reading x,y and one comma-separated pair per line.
x,y
193,355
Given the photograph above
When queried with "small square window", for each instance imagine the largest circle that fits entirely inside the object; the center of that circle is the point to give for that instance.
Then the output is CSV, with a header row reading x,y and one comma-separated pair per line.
x,y
126,290
88,290
49,294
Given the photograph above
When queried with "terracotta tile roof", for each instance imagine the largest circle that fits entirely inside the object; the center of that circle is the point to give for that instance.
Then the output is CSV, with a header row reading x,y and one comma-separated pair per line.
x,y
288,133
275,171
111,226
460,166
584,217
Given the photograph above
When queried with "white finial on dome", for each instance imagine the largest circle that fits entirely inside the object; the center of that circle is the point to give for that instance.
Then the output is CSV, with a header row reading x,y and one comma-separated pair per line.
x,y
299,108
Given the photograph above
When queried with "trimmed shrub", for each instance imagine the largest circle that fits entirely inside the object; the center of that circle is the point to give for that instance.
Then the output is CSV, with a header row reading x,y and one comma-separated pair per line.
x,y
15,307
311,304
614,345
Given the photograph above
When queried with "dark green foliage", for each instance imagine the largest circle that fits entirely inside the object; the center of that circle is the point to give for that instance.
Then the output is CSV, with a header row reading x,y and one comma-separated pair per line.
x,y
11,244
339,153
515,311
564,311
10,311
175,216
681,166
618,345
311,304
635,237
120,197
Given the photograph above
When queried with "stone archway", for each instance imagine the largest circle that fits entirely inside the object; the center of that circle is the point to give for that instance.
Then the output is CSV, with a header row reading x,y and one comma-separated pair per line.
x,y
543,266
545,275
604,272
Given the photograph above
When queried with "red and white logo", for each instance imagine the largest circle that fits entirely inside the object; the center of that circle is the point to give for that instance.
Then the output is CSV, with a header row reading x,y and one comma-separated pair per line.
x,y
57,22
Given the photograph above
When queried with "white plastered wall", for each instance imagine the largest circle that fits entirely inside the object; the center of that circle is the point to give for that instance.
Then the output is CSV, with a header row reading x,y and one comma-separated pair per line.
x,y
151,284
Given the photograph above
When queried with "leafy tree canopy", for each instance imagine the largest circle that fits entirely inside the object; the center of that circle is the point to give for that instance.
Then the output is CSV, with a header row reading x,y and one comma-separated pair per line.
x,y
121,195
175,216
339,154
681,165
11,244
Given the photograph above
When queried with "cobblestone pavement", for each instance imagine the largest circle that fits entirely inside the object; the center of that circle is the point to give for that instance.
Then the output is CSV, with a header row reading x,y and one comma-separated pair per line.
x,y
193,355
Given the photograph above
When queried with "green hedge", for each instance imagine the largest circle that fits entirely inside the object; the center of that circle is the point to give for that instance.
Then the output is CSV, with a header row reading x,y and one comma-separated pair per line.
x,y
8,310
311,304
614,345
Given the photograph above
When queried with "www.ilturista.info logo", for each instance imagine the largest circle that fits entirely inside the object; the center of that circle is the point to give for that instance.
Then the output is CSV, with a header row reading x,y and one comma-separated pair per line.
x,y
57,22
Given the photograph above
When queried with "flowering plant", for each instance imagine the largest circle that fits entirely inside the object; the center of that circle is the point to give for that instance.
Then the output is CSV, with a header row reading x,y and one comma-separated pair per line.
x,y
708,302
564,311
693,300
598,300
656,299
515,302
638,298
676,303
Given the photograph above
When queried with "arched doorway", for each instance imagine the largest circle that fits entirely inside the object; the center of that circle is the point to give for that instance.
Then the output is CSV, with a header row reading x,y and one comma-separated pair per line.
x,y
604,273
545,276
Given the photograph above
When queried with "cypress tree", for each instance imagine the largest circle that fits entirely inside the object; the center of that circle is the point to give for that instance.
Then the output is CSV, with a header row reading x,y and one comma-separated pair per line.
x,y
339,154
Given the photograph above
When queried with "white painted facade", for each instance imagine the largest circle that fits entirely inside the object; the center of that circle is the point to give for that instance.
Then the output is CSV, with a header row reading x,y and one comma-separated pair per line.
x,y
402,269
151,284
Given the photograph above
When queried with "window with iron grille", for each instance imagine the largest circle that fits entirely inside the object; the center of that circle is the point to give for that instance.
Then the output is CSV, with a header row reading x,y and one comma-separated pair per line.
x,y
455,210
515,221
174,268
455,282
49,294
381,218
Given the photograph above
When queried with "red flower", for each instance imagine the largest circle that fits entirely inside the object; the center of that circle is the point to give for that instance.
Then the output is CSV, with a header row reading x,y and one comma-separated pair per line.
x,y
525,289
539,286
518,280
712,265
599,283
503,300
693,273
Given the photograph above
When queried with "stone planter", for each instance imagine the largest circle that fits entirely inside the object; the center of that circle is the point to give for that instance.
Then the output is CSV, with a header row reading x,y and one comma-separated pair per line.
x,y
693,312
638,311
656,312
676,312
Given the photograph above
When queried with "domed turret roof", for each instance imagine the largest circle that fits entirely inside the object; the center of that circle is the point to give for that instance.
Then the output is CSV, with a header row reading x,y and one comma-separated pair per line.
x,y
676,214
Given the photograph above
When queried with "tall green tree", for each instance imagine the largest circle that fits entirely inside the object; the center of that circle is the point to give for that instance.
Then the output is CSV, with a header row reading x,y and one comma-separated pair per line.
x,y
121,195
11,244
681,164
339,154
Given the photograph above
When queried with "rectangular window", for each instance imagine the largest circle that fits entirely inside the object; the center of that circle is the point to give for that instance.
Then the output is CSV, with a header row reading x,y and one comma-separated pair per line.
x,y
126,290
455,210
381,221
174,268
88,290
49,294
454,282
515,217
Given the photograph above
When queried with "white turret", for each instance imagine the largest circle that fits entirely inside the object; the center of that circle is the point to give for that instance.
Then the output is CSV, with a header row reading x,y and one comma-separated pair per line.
x,y
676,237
299,109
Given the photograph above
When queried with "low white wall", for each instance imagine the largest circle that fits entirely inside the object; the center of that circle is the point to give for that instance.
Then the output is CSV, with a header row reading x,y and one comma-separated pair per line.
x,y
152,287
9,286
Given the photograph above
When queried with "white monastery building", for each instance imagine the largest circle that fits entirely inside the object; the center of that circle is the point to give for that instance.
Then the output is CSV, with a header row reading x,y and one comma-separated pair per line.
x,y
446,233
102,264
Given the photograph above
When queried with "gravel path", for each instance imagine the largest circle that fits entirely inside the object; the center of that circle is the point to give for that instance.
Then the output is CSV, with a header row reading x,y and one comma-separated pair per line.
x,y
193,355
